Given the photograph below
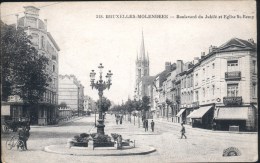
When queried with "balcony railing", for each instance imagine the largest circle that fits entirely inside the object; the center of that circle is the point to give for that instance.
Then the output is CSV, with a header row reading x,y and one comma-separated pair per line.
x,y
234,75
232,101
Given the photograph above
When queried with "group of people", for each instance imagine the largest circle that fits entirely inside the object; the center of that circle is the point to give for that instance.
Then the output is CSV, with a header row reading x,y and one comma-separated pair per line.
x,y
145,122
119,118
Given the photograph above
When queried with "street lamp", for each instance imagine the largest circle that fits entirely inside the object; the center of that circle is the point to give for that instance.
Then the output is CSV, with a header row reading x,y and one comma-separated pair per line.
x,y
100,85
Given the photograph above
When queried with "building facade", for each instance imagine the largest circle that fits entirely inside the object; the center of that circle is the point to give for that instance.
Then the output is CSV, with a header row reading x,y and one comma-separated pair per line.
x,y
220,88
71,92
46,111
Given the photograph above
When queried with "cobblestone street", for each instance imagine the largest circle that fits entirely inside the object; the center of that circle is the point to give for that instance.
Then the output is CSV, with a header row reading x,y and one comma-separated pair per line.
x,y
201,145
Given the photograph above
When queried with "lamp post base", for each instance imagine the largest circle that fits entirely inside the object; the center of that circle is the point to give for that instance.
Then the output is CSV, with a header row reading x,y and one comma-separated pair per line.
x,y
100,127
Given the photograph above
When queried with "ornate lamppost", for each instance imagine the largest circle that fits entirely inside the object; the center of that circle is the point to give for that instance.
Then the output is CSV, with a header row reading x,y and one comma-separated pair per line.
x,y
100,85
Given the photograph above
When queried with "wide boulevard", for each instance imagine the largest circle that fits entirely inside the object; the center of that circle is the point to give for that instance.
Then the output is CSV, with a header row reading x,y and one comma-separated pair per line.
x,y
200,145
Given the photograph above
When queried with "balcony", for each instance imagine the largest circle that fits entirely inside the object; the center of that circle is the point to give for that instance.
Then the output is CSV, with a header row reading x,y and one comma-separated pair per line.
x,y
232,101
234,75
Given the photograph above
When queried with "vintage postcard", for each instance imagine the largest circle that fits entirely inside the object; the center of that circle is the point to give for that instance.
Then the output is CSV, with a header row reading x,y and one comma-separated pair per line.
x,y
129,81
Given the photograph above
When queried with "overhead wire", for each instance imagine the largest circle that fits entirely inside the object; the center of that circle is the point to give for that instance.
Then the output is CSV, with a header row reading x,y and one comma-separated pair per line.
x,y
37,7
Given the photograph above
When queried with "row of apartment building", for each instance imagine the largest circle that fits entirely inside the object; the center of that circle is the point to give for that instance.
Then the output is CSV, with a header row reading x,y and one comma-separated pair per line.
x,y
218,88
61,88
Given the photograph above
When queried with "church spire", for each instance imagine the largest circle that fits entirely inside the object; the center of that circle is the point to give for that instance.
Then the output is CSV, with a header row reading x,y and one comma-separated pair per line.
x,y
142,49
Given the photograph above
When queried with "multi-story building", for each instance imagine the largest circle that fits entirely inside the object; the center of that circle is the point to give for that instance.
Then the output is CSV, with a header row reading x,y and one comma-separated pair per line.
x,y
71,92
89,104
219,88
160,96
45,111
225,86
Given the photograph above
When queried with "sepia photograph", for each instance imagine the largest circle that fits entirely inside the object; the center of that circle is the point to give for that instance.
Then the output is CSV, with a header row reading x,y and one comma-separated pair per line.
x,y
129,81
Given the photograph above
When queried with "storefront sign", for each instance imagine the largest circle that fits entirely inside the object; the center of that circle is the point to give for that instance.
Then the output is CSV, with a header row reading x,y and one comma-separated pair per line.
x,y
5,110
232,101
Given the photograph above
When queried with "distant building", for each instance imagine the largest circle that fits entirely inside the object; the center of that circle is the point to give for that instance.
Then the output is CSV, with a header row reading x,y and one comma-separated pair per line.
x,y
89,104
71,92
142,71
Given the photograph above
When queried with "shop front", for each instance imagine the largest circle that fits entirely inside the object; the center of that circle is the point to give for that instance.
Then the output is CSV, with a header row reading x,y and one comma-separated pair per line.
x,y
241,117
181,116
202,117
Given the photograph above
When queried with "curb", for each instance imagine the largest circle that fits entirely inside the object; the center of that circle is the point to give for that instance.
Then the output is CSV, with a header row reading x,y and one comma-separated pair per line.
x,y
150,150
57,125
204,130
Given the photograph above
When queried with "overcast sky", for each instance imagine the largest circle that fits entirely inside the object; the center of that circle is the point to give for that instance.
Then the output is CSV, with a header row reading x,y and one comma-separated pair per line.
x,y
85,41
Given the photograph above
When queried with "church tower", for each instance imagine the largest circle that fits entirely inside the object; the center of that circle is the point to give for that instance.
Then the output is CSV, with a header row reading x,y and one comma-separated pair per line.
x,y
141,63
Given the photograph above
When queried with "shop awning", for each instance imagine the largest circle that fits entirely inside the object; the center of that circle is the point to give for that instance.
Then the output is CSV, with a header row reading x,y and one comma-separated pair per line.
x,y
191,114
232,113
199,113
180,112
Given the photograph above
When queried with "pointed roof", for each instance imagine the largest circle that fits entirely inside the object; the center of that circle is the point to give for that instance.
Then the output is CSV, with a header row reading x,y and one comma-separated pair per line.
x,y
238,43
142,49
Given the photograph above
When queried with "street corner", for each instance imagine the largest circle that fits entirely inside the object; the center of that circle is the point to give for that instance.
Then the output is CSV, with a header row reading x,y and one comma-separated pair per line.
x,y
99,151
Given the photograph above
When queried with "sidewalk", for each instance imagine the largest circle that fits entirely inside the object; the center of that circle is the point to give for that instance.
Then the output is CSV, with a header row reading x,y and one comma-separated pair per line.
x,y
61,123
163,120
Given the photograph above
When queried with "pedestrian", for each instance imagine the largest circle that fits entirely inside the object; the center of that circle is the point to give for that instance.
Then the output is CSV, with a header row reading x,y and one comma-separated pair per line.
x,y
183,131
121,119
146,125
117,121
152,125
24,135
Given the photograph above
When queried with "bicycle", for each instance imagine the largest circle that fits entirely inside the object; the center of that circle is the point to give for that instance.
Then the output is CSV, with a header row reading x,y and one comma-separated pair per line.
x,y
15,141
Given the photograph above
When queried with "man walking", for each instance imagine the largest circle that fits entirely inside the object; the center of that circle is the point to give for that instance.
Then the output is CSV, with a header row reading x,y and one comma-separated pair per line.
x,y
152,125
183,131
146,125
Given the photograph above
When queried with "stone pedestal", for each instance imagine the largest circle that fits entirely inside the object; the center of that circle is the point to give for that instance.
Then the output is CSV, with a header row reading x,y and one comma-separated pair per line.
x,y
100,127
70,143
91,144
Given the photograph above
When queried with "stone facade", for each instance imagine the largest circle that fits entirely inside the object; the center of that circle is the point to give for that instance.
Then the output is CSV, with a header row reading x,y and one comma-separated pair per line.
x,y
46,111
71,92
201,91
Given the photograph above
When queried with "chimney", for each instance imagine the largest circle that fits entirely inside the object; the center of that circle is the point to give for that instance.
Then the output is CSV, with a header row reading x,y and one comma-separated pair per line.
x,y
45,22
179,68
202,55
196,60
251,41
168,66
212,48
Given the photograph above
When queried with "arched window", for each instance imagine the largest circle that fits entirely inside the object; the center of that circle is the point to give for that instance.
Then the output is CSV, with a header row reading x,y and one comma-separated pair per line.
x,y
53,68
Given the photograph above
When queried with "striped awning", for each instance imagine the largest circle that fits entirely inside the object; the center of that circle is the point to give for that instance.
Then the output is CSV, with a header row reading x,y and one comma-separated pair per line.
x,y
180,112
